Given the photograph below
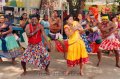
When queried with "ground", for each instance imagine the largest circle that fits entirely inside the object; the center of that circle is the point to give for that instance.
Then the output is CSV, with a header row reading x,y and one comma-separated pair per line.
x,y
107,69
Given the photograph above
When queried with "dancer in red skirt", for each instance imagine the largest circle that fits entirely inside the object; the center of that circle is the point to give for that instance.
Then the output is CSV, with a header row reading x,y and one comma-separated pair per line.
x,y
110,42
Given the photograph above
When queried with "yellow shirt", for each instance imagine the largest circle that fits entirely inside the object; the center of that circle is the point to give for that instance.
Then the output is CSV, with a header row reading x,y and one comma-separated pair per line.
x,y
75,36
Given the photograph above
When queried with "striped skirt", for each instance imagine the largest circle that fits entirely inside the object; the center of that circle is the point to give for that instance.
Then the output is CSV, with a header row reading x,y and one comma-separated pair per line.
x,y
110,43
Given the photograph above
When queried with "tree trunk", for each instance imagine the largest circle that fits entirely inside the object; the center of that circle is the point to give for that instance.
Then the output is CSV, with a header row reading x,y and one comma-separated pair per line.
x,y
82,5
74,6
40,4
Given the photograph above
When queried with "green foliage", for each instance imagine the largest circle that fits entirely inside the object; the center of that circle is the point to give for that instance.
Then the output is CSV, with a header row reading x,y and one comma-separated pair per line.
x,y
117,0
114,8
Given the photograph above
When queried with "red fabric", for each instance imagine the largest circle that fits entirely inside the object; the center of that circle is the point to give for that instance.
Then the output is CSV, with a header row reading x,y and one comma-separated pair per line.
x,y
35,39
110,44
94,11
95,47
60,48
76,62
107,9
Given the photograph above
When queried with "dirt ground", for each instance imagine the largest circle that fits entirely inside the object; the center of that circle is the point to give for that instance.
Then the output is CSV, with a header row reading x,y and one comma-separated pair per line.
x,y
107,69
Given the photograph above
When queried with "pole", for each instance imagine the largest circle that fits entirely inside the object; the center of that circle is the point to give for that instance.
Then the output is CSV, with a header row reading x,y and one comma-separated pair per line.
x,y
68,7
48,8
62,21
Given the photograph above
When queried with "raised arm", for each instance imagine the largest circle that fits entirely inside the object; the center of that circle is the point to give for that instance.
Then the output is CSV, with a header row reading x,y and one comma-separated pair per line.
x,y
69,31
113,27
43,33
78,27
27,30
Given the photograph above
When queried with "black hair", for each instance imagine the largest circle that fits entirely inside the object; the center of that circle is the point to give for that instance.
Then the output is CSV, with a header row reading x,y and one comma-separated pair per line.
x,y
21,18
24,14
112,17
76,17
35,15
2,15
67,17
55,11
44,16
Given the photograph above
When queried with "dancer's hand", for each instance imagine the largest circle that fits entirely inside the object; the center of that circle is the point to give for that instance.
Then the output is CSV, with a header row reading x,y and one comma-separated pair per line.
x,y
39,28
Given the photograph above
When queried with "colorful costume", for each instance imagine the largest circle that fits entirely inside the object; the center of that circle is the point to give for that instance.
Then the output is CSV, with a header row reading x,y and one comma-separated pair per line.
x,y
55,32
46,25
84,37
10,49
87,45
94,37
36,53
111,42
76,49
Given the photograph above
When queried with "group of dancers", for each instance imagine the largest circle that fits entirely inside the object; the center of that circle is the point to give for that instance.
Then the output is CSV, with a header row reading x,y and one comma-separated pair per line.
x,y
81,34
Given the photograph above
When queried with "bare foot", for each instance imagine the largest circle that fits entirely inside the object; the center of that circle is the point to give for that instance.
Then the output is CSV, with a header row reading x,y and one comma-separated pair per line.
x,y
66,73
81,73
47,71
14,62
40,72
24,73
98,64
118,66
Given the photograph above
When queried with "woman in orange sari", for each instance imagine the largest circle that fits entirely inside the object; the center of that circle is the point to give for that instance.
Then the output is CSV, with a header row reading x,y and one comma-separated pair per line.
x,y
76,54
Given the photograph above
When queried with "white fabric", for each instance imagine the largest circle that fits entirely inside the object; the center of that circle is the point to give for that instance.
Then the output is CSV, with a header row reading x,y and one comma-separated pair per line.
x,y
58,36
24,44
112,36
16,37
95,29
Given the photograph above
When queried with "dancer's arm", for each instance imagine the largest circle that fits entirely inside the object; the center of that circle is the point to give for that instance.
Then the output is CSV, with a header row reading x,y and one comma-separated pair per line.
x,y
113,28
27,30
43,33
45,36
7,32
69,30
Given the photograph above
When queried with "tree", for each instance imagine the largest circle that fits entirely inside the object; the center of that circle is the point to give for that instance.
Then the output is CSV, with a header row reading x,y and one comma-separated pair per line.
x,y
119,5
118,2
74,6
114,8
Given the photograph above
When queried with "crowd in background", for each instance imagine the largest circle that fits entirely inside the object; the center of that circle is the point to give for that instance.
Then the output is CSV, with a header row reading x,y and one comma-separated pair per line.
x,y
85,34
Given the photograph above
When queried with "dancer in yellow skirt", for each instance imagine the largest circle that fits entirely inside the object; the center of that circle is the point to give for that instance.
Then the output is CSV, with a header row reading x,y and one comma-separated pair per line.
x,y
76,54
